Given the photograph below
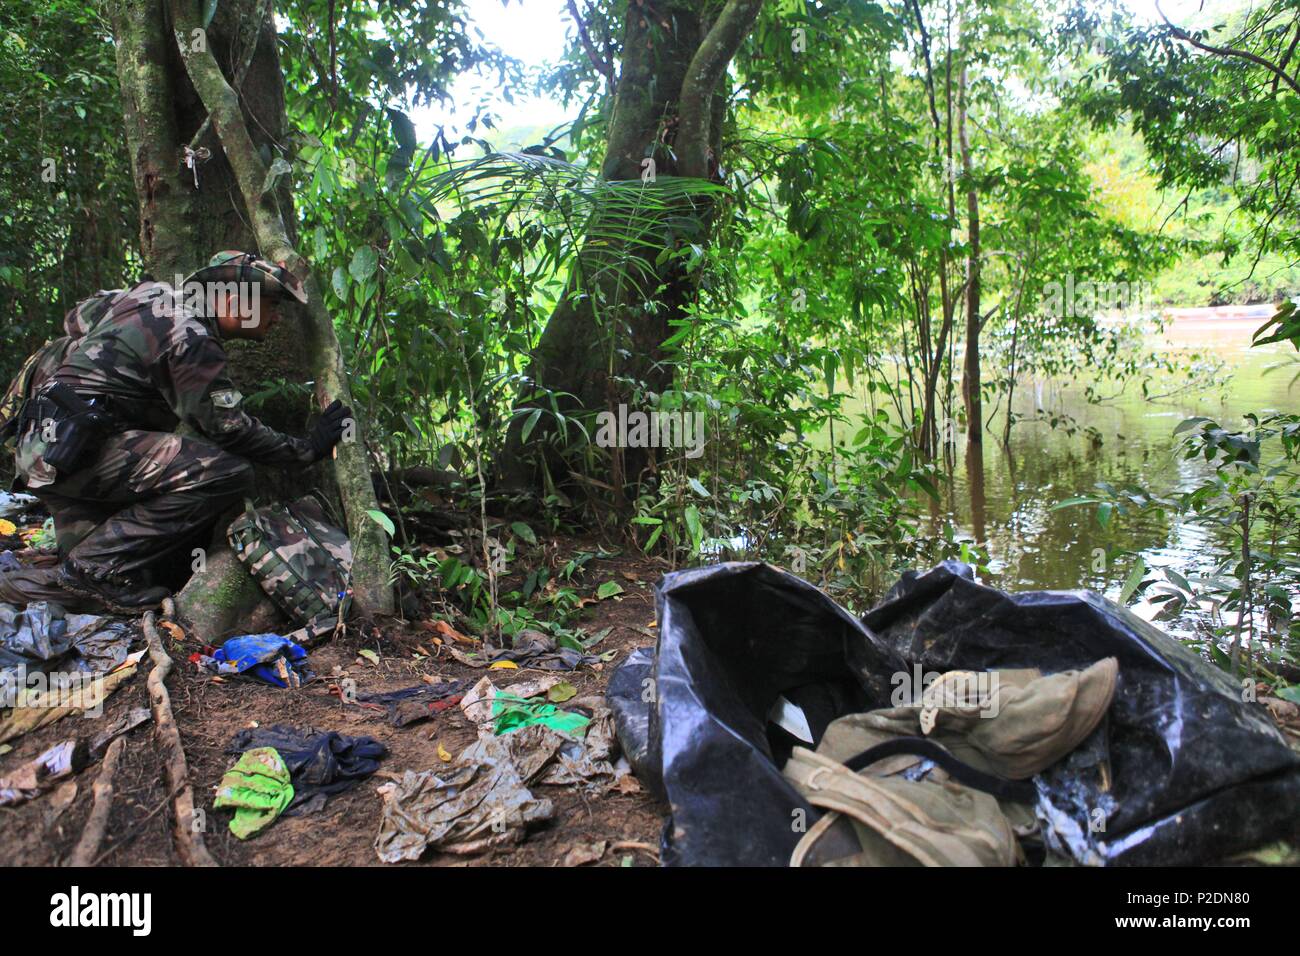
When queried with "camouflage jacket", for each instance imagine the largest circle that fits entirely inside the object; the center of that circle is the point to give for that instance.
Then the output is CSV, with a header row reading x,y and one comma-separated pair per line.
x,y
156,365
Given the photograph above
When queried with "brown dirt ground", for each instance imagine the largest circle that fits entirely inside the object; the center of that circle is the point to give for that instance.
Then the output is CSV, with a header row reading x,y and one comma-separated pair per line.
x,y
208,712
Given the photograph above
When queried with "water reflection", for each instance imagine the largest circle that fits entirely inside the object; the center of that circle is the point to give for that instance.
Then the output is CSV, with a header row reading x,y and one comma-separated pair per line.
x,y
975,484
1004,498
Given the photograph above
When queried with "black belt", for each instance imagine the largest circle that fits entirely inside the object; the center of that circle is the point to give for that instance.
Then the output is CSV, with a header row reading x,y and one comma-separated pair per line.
x,y
1018,791
40,407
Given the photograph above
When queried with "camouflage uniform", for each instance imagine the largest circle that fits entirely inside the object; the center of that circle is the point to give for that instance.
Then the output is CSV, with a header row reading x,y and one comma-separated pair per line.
x,y
147,492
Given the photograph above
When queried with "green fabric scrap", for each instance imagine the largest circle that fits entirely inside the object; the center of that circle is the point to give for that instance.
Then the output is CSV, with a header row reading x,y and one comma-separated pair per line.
x,y
257,788
515,713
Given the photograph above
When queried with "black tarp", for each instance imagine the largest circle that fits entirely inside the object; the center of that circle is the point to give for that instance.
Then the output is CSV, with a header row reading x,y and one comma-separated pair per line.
x,y
1182,770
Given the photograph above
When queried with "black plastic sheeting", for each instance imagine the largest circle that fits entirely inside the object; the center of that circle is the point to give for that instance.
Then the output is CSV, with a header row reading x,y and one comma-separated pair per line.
x,y
628,696
1182,770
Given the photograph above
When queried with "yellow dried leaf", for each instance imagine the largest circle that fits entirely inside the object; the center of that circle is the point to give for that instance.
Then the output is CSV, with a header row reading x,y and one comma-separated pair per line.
x,y
504,666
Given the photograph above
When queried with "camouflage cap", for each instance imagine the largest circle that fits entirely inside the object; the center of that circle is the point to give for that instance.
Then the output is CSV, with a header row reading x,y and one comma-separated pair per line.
x,y
235,266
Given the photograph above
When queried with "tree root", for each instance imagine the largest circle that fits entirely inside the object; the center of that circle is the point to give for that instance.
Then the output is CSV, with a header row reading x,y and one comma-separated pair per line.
x,y
87,848
188,838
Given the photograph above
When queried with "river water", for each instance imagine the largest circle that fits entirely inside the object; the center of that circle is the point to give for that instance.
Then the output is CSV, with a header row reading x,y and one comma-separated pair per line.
x,y
1032,546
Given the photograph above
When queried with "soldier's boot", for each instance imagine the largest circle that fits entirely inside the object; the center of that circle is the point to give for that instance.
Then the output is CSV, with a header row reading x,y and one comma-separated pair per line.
x,y
117,592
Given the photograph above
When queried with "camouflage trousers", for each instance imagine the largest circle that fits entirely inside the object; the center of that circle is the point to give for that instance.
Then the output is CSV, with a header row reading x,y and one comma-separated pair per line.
x,y
144,497
25,585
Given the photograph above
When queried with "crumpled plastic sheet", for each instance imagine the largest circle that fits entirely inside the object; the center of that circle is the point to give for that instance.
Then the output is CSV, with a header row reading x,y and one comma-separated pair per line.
x,y
1181,771
482,799
627,693
38,708
477,802
22,584
44,637
15,503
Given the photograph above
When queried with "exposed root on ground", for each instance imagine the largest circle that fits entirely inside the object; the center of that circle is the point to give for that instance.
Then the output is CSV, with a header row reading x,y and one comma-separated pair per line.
x,y
187,837
92,835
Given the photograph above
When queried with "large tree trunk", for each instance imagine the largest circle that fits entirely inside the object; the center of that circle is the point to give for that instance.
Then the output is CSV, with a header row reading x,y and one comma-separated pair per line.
x,y
667,106
176,78
182,225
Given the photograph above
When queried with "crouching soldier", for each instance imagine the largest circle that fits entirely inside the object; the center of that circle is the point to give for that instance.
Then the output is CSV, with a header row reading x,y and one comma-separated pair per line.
x,y
96,440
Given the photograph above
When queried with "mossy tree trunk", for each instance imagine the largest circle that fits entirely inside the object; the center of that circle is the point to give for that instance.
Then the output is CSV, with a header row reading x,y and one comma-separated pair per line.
x,y
176,79
182,224
669,106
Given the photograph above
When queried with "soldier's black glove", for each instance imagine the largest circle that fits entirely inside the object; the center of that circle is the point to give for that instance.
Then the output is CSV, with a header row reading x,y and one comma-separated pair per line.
x,y
327,432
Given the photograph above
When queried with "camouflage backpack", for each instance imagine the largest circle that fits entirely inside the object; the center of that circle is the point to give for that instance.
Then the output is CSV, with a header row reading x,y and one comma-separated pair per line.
x,y
39,366
45,361
301,562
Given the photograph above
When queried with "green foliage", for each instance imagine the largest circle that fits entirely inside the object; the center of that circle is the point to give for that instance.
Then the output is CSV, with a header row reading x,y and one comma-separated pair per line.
x,y
1216,102
815,330
1253,494
67,205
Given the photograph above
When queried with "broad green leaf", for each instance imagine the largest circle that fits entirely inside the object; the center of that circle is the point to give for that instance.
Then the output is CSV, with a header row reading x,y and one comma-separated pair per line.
x,y
381,519
363,264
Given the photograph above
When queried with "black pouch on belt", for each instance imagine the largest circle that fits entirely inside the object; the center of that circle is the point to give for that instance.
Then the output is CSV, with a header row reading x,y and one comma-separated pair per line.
x,y
78,427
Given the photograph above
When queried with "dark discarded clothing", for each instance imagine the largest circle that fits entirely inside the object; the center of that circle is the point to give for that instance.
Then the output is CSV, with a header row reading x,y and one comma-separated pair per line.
x,y
410,704
1180,770
321,763
145,492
